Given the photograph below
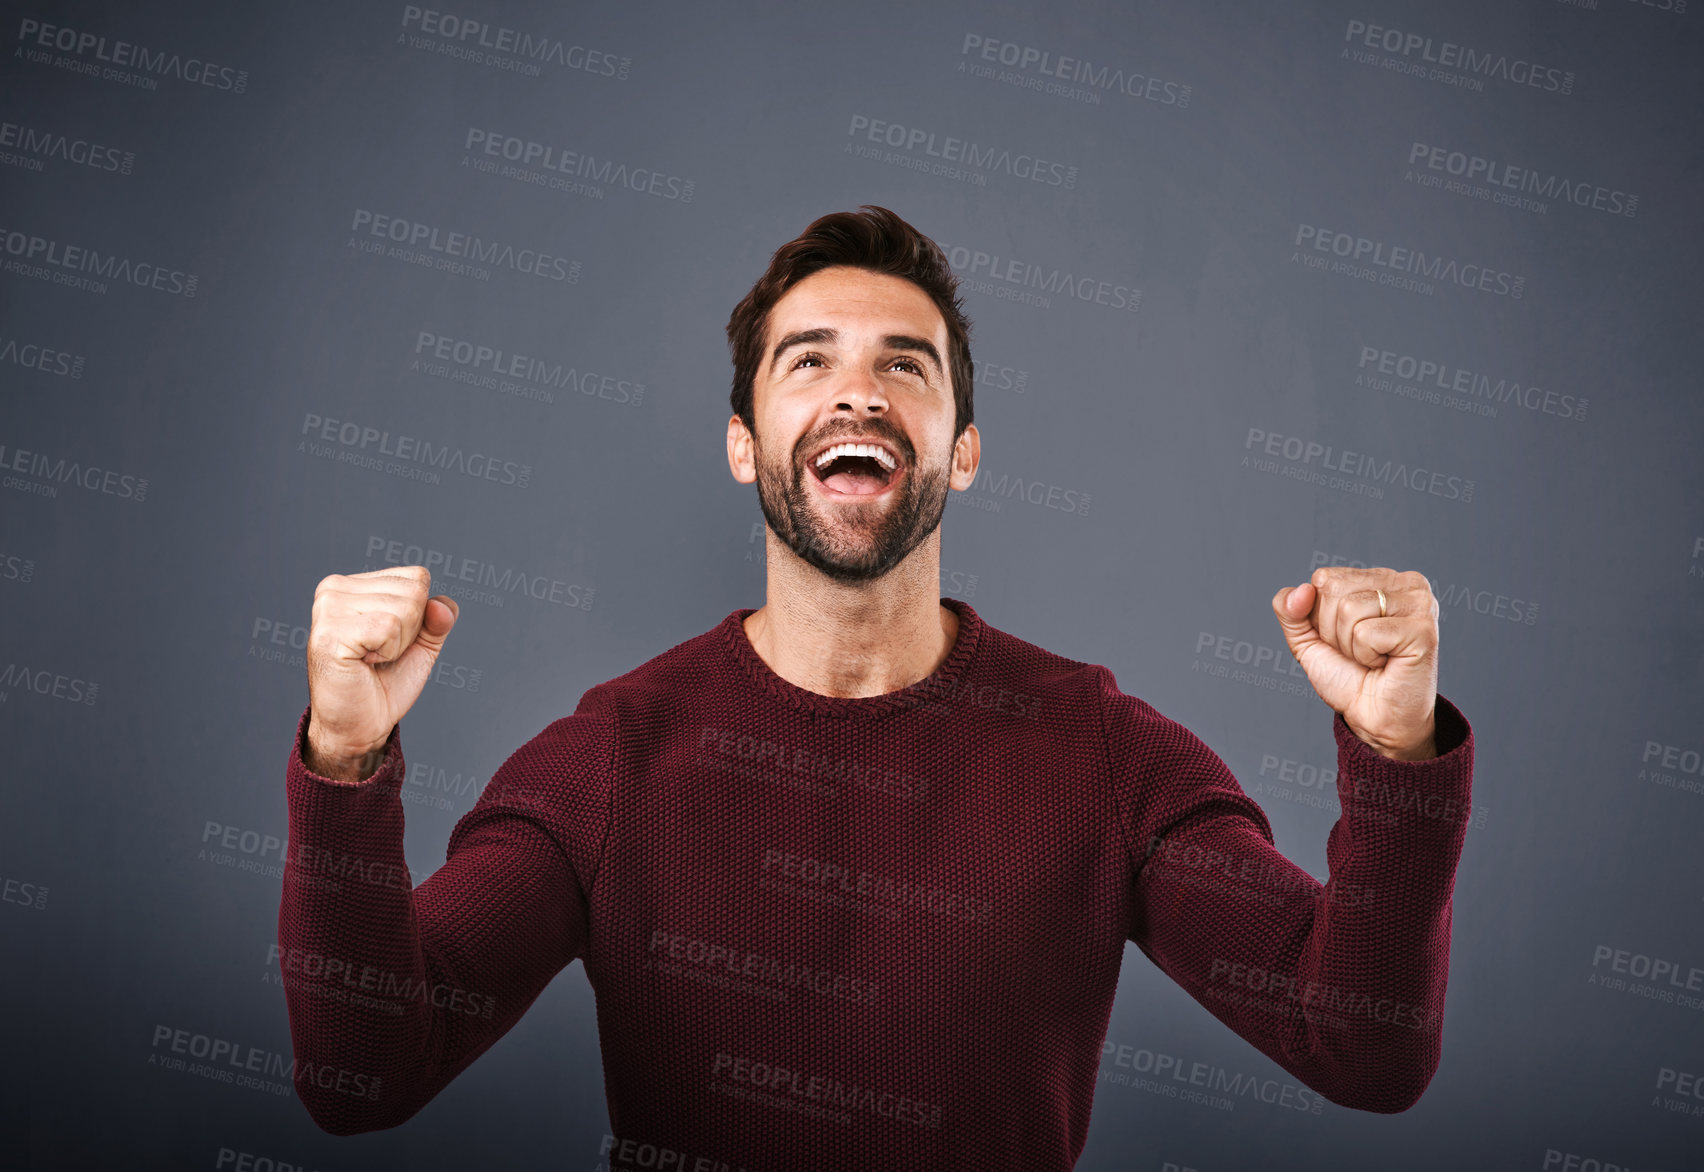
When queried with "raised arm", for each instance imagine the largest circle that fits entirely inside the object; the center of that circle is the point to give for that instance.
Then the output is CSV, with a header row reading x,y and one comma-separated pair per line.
x,y
1341,983
408,986
392,990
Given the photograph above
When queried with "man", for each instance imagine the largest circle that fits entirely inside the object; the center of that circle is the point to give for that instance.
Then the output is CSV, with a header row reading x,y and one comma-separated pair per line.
x,y
852,873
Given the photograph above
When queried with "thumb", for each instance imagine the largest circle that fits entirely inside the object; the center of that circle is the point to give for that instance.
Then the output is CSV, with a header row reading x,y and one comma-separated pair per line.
x,y
414,666
433,624
1293,605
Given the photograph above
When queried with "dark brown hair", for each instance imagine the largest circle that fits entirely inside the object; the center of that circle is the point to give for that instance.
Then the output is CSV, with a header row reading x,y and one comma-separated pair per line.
x,y
875,239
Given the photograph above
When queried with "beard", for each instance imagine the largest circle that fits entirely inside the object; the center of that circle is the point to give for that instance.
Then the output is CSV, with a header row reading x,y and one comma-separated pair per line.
x,y
851,541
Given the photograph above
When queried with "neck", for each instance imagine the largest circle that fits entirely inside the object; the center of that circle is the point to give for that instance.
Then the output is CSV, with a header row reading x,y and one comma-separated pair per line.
x,y
851,639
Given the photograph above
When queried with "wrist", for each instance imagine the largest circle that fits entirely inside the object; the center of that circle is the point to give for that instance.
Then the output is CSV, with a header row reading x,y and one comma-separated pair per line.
x,y
343,762
1424,751
1423,748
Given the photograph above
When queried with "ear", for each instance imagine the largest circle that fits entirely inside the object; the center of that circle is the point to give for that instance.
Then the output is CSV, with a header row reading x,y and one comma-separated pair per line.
x,y
742,460
967,454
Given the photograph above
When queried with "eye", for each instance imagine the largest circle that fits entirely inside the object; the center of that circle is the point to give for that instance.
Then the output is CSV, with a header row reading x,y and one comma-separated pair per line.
x,y
916,366
807,357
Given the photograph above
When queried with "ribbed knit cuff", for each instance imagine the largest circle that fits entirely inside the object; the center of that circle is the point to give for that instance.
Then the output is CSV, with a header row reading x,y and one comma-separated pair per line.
x,y
1384,789
308,793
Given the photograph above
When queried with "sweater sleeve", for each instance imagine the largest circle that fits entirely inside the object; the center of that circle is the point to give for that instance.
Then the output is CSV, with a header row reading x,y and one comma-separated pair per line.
x,y
392,990
1340,983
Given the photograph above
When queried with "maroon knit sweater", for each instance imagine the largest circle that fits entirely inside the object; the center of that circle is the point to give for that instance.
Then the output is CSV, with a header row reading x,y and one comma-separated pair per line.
x,y
871,933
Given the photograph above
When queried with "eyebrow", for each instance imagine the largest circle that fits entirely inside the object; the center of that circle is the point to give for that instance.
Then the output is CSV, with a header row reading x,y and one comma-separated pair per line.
x,y
826,334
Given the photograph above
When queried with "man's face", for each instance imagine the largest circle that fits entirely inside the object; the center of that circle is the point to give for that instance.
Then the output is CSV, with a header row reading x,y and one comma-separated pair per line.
x,y
849,356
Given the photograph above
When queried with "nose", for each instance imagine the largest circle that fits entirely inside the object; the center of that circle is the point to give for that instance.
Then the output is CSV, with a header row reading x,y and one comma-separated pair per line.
x,y
861,394
857,390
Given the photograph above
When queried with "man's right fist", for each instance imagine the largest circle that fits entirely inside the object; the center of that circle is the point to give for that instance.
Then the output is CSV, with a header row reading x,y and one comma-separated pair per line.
x,y
371,647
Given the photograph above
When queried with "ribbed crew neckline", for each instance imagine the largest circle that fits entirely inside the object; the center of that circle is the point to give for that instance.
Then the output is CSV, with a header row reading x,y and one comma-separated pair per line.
x,y
943,678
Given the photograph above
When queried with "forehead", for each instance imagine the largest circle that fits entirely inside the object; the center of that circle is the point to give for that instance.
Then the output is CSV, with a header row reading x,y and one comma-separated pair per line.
x,y
857,298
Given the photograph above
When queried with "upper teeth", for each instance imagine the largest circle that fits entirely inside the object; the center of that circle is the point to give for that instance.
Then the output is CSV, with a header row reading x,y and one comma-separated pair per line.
x,y
874,451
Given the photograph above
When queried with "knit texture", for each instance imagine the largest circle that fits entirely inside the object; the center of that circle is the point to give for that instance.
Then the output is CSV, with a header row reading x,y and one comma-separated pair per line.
x,y
876,932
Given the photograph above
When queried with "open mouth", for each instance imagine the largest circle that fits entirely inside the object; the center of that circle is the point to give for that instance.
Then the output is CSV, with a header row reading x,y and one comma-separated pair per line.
x,y
855,475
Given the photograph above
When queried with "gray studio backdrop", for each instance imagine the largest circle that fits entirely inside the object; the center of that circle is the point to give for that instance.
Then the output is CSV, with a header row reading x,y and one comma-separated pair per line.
x,y
298,289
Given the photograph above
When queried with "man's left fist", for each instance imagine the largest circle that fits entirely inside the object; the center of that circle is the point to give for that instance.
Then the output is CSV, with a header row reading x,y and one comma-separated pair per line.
x,y
1380,673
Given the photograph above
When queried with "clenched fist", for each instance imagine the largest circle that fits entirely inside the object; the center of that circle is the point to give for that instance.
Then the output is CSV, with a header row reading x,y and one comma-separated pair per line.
x,y
1379,670
371,647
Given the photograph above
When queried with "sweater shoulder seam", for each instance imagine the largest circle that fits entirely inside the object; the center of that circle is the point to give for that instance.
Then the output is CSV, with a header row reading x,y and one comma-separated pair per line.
x,y
1106,773
609,797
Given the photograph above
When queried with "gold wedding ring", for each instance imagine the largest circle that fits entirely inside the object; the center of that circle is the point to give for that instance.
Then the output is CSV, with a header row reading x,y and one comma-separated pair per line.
x,y
1383,613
